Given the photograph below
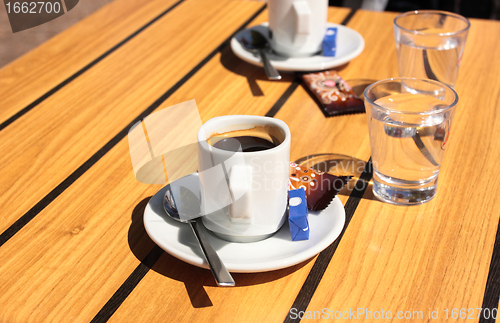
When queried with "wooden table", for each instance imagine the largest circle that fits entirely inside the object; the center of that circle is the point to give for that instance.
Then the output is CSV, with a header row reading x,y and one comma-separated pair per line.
x,y
73,247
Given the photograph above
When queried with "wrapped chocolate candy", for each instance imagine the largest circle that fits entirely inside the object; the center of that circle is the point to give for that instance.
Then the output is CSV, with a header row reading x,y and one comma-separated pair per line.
x,y
320,187
332,93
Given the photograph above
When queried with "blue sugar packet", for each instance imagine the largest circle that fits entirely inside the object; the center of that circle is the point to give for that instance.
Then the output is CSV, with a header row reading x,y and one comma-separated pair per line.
x,y
330,42
297,214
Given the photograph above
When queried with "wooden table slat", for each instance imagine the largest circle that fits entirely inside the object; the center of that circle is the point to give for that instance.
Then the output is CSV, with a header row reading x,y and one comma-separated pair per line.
x,y
436,255
36,74
103,101
85,256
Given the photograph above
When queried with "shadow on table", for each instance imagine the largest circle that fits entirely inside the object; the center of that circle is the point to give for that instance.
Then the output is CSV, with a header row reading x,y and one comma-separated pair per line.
x,y
138,240
256,73
193,278
252,73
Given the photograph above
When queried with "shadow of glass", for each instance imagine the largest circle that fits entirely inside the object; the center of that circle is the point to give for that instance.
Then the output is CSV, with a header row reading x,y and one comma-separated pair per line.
x,y
359,86
341,165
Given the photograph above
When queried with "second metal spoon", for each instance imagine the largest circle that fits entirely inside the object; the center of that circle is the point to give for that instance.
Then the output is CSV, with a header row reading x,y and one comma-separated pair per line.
x,y
254,41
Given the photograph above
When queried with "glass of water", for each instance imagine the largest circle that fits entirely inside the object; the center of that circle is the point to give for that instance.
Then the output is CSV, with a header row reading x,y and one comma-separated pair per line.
x,y
430,44
409,123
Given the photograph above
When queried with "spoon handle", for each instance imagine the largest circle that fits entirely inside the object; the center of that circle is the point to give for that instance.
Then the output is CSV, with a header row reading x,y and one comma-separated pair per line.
x,y
271,72
220,272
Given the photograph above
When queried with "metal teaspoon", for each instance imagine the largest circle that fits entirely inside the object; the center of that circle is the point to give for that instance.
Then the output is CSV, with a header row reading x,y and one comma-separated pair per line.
x,y
190,203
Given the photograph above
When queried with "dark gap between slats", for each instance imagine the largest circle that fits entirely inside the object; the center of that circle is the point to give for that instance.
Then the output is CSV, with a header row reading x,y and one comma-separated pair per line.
x,y
492,289
59,189
321,264
284,97
136,276
128,286
348,17
133,280
25,110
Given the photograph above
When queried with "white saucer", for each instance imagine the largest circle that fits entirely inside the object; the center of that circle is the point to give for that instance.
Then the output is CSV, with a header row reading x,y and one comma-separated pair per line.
x,y
276,252
349,45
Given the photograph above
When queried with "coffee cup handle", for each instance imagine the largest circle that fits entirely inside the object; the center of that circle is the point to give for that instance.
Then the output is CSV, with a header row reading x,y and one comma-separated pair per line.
x,y
240,183
302,20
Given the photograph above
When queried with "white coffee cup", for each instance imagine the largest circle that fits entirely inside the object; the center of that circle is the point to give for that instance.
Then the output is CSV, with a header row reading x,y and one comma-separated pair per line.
x,y
297,27
243,194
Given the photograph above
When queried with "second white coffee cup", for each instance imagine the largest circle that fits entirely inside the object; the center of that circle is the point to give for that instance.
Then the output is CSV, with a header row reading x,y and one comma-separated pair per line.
x,y
297,27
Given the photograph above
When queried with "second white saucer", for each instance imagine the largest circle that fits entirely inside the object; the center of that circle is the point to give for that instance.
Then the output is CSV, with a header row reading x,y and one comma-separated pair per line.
x,y
349,45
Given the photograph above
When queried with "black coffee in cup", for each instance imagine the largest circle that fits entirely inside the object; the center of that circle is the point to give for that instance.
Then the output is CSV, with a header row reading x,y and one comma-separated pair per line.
x,y
246,140
247,144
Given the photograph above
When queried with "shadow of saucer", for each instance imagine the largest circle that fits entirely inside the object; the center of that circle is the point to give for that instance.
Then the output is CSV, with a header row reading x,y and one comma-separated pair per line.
x,y
143,247
252,73
194,278
138,240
